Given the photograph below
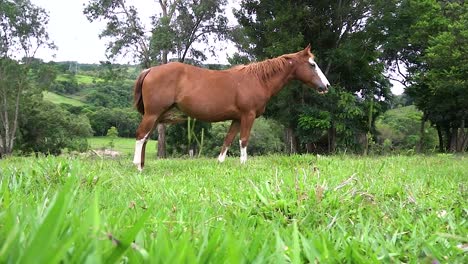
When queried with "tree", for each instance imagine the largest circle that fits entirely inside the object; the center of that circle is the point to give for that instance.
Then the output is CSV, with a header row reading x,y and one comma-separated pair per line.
x,y
22,33
181,24
125,120
399,129
345,51
446,78
425,43
47,128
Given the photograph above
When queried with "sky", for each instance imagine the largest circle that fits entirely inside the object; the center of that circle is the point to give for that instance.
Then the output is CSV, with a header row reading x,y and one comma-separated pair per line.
x,y
78,39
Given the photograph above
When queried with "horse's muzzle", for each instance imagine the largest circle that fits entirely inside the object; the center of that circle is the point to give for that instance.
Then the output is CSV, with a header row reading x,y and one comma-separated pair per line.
x,y
323,89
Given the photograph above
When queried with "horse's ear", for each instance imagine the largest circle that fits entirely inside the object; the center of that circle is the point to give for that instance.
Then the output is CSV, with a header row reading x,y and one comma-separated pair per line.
x,y
307,50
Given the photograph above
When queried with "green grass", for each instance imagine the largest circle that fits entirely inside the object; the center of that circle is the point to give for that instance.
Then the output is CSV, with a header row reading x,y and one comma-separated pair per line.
x,y
277,209
80,78
126,146
60,99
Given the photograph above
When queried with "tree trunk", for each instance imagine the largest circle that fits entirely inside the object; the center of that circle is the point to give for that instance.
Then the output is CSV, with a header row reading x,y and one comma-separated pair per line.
x,y
419,147
453,139
368,135
1,145
10,123
366,139
290,141
462,139
332,139
161,141
441,138
161,153
448,139
161,147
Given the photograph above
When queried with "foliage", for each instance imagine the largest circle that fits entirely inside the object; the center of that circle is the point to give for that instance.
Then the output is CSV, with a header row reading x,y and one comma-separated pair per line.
x,y
446,77
126,121
123,26
110,95
178,140
47,128
61,99
181,24
345,50
22,29
195,21
112,132
425,42
22,33
265,138
399,129
67,84
298,209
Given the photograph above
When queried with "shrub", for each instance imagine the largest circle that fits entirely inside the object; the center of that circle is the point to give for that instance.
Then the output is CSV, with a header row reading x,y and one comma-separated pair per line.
x,y
47,128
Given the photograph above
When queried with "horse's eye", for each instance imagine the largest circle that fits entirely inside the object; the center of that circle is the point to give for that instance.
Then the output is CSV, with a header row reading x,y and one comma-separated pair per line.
x,y
313,65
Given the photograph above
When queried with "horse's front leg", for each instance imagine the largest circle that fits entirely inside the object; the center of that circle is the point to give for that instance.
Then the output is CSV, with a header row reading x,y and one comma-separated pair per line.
x,y
233,130
142,135
245,127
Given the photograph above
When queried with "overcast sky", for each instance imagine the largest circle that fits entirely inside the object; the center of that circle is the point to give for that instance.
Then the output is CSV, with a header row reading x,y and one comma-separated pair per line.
x,y
77,39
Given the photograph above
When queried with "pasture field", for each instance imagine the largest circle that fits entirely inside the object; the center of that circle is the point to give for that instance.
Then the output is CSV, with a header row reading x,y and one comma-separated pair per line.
x,y
80,78
274,209
126,146
60,99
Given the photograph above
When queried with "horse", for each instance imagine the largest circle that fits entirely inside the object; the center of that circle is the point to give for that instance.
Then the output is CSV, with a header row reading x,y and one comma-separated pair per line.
x,y
240,94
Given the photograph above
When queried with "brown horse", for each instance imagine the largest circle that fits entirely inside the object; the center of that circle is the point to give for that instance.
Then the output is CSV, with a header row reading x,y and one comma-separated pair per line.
x,y
239,94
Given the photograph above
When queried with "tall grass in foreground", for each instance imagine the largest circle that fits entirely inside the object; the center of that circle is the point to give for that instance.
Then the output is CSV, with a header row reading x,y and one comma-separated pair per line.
x,y
276,209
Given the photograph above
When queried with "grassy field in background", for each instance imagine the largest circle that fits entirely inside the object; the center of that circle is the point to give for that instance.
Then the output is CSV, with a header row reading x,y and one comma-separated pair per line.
x,y
274,209
125,146
60,99
81,79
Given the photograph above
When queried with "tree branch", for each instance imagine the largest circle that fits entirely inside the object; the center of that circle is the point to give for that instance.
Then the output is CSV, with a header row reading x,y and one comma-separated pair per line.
x,y
140,41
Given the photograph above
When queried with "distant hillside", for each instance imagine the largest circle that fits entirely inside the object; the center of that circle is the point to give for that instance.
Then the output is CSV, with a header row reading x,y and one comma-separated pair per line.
x,y
61,99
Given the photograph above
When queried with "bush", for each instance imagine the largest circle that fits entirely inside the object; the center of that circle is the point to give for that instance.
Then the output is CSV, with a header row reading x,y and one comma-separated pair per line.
x,y
126,121
112,132
177,137
47,128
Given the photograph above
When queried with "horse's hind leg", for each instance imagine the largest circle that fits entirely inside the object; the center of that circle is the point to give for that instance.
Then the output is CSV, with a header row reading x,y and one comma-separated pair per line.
x,y
142,135
233,130
247,121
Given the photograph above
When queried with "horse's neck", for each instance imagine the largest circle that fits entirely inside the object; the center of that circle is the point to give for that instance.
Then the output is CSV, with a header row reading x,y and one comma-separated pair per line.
x,y
279,80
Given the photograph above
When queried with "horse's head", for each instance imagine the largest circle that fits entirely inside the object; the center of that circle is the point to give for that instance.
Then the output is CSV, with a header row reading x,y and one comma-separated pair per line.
x,y
309,72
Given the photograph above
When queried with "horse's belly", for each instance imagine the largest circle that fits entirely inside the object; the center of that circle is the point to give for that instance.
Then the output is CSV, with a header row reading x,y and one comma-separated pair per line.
x,y
209,112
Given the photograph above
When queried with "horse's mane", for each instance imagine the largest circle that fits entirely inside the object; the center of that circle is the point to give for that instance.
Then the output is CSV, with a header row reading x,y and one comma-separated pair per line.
x,y
267,68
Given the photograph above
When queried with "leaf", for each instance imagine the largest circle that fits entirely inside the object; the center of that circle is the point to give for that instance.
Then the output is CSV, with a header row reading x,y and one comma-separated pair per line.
x,y
48,231
296,246
127,239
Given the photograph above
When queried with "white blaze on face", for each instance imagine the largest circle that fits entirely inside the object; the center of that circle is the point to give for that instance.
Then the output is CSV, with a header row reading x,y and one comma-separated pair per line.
x,y
222,156
319,72
138,150
243,153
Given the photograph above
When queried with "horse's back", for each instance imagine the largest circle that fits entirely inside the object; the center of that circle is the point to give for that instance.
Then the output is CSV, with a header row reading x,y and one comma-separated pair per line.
x,y
209,95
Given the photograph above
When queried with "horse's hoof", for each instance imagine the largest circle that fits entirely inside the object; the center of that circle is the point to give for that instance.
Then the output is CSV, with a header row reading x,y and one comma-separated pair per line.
x,y
139,167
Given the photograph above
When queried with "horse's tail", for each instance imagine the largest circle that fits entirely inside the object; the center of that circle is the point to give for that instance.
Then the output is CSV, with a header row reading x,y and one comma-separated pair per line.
x,y
138,97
